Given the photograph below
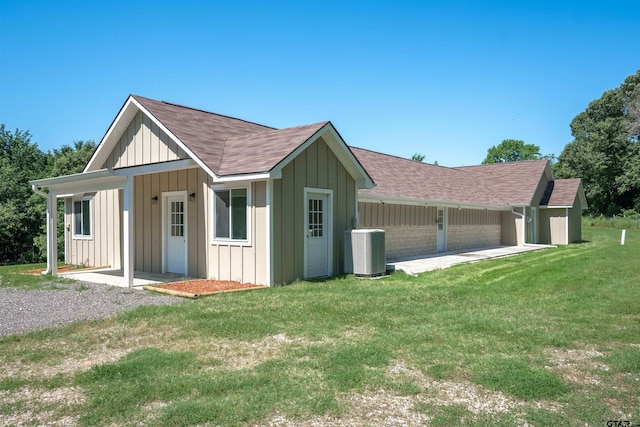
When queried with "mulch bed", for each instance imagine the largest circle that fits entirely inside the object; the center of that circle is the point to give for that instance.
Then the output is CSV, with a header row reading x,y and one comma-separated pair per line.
x,y
196,288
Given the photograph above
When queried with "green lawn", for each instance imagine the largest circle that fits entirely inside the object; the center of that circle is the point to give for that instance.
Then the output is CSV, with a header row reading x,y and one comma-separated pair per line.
x,y
544,338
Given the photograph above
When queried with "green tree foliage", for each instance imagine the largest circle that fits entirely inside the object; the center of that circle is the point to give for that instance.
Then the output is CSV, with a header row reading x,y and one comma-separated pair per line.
x,y
64,161
605,151
512,150
71,159
417,157
21,211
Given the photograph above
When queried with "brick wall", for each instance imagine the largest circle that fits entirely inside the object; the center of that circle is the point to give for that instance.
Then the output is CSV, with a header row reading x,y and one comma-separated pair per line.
x,y
473,236
406,242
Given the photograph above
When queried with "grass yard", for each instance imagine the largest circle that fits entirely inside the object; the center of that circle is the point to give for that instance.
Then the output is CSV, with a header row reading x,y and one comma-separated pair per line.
x,y
544,338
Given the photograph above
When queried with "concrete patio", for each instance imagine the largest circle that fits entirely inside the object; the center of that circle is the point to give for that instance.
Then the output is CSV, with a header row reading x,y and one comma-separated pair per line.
x,y
114,277
447,259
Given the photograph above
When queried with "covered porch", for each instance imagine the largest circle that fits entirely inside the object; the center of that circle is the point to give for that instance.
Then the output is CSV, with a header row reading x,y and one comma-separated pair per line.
x,y
121,180
115,277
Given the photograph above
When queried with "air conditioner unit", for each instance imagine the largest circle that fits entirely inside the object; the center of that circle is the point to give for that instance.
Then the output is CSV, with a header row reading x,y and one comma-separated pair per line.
x,y
368,252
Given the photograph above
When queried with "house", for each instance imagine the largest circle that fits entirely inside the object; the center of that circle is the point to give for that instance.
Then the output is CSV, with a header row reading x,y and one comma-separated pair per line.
x,y
176,189
427,209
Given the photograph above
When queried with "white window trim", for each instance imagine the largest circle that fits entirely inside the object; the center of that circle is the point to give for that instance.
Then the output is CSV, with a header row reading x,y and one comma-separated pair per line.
x,y
229,241
75,236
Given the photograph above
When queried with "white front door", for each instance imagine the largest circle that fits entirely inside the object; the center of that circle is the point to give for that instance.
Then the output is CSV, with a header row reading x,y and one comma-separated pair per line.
x,y
176,235
317,234
441,234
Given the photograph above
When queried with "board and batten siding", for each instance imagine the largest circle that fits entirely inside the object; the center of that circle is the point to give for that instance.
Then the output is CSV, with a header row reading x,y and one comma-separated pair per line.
x,y
148,227
143,143
315,167
245,264
553,226
473,228
410,230
575,222
103,247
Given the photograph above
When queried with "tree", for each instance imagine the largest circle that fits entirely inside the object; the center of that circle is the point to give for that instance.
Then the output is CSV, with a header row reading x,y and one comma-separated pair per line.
x,y
417,157
71,159
65,160
21,211
512,150
605,151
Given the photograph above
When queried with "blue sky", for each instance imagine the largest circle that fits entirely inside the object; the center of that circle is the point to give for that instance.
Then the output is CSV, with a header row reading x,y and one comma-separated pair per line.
x,y
446,79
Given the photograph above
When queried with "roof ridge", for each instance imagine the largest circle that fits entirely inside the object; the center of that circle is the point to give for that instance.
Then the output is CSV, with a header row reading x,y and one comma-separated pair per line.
x,y
403,158
499,163
204,111
244,135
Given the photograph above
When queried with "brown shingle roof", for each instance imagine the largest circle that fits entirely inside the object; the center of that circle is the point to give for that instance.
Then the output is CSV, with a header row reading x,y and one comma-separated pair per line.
x,y
515,182
262,151
403,178
499,184
562,192
202,132
230,146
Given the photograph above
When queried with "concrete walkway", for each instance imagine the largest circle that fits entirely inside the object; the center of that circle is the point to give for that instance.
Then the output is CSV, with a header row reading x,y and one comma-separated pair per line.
x,y
447,259
109,276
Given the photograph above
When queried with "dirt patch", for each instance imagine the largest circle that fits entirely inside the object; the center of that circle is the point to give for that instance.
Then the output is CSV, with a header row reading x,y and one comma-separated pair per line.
x,y
378,408
196,288
236,355
475,398
31,404
576,365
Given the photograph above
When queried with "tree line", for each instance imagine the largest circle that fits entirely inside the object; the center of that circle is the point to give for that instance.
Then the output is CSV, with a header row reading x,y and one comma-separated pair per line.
x,y
22,212
605,153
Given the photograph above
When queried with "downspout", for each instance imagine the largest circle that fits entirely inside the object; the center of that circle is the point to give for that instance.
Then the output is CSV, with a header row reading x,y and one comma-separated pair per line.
x,y
522,215
566,226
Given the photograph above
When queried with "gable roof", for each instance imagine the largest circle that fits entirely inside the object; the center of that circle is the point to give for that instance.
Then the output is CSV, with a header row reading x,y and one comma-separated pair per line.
x,y
225,146
515,182
562,193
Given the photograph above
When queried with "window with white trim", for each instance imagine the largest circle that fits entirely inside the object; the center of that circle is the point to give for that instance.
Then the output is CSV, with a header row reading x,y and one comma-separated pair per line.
x,y
231,214
82,217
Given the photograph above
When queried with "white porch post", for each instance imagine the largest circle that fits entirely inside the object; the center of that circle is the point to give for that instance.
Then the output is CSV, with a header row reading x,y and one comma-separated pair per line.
x,y
127,224
52,234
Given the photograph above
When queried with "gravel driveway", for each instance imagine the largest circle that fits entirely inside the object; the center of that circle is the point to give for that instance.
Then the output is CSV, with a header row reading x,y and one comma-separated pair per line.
x,y
25,310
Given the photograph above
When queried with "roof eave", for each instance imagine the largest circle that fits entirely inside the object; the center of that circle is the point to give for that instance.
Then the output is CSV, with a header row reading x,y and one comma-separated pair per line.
x,y
416,201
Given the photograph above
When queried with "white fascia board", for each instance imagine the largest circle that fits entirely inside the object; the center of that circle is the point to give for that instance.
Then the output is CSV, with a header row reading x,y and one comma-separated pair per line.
x,y
247,177
371,198
555,207
76,177
81,183
112,183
